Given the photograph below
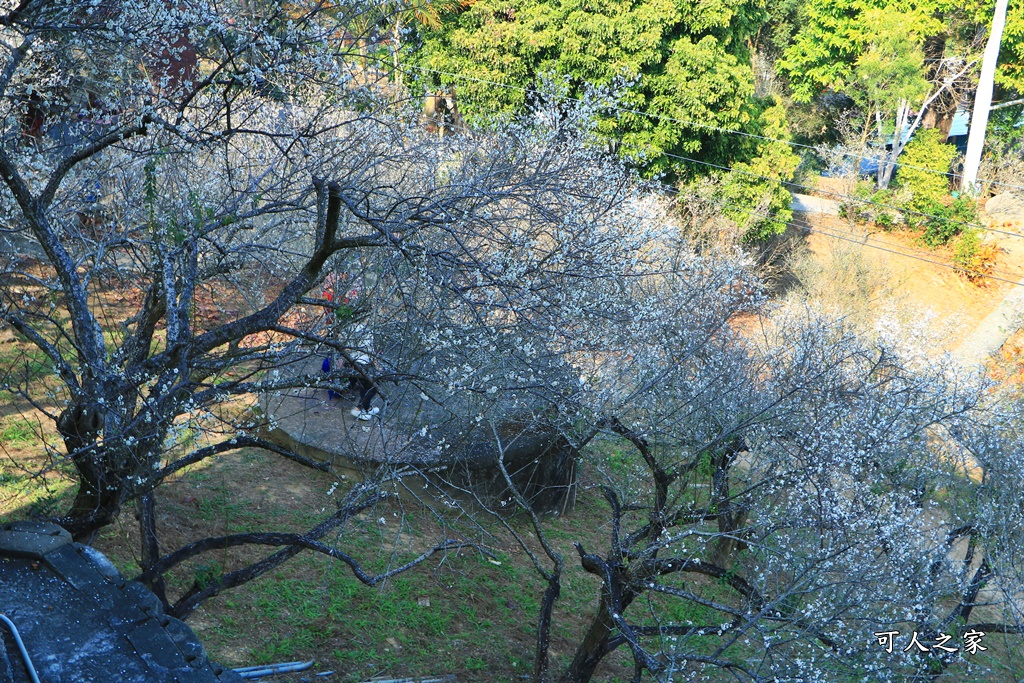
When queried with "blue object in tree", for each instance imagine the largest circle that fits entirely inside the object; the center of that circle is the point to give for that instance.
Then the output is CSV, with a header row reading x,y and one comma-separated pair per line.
x,y
326,369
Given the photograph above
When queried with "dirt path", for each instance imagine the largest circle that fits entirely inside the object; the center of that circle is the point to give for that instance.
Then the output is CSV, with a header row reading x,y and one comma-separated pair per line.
x,y
971,320
1007,317
993,331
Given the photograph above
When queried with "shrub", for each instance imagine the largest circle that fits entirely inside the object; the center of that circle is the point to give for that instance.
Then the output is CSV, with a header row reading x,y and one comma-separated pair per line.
x,y
344,312
853,210
864,190
973,258
926,151
964,209
757,187
946,222
938,228
882,197
885,221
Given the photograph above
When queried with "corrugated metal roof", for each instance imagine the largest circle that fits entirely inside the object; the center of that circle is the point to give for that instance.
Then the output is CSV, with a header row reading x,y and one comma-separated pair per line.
x,y
961,123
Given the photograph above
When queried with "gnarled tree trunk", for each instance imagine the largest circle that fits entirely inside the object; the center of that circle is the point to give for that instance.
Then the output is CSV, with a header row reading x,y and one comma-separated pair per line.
x,y
593,648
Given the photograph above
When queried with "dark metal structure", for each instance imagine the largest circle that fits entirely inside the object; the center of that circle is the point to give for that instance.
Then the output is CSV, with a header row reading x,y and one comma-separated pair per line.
x,y
81,621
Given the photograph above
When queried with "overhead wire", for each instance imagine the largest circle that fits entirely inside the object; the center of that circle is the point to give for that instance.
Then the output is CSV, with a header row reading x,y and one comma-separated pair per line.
x,y
861,240
884,246
844,196
987,276
692,124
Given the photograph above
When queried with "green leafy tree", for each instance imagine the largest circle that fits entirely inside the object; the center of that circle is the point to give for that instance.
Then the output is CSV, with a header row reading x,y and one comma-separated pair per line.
x,y
925,174
1010,70
891,67
759,182
927,161
889,75
688,64
834,34
874,52
682,71
402,13
776,33
824,50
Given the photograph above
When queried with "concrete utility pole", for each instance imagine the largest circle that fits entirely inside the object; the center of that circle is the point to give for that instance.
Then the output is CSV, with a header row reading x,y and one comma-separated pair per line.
x,y
983,99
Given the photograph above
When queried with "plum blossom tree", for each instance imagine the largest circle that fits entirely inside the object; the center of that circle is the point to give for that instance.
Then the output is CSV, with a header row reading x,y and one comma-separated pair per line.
x,y
791,490
211,166
178,180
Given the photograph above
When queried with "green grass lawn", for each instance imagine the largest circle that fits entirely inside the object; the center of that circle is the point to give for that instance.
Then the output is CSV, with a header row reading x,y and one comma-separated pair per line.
x,y
465,612
472,613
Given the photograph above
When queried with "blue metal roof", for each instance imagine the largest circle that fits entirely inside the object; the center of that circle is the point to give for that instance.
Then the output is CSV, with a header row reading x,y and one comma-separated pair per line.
x,y
961,123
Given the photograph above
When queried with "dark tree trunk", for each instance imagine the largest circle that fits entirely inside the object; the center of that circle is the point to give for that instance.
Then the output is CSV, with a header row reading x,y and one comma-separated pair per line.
x,y
98,500
547,605
941,111
595,645
729,542
731,518
151,546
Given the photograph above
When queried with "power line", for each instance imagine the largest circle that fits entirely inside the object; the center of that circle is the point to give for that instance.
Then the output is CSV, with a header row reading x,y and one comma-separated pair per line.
x,y
882,246
899,253
795,222
694,124
845,196
847,237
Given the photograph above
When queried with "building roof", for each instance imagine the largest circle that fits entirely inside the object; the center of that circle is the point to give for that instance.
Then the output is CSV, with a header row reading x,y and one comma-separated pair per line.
x,y
961,123
81,620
